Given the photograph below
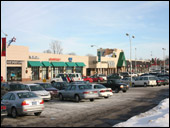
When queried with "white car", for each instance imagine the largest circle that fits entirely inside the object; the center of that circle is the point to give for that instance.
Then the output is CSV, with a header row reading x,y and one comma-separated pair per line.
x,y
145,81
103,76
102,90
75,76
39,91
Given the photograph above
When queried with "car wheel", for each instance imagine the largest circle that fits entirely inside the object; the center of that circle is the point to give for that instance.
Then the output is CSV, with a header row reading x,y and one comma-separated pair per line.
x,y
124,91
133,85
14,112
37,113
52,82
116,90
106,97
77,98
91,100
61,97
145,85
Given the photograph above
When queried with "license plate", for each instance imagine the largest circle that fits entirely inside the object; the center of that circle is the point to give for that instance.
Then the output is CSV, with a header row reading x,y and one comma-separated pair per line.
x,y
34,103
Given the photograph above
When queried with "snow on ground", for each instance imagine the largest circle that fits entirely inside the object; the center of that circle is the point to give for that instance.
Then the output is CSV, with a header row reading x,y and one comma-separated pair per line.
x,y
156,117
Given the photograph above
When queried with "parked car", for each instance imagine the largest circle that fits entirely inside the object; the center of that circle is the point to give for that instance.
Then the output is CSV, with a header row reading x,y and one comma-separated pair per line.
x,y
78,92
86,78
80,82
39,91
159,81
103,76
60,85
124,74
96,78
3,111
102,90
14,86
48,87
113,76
117,85
22,102
145,81
75,76
127,80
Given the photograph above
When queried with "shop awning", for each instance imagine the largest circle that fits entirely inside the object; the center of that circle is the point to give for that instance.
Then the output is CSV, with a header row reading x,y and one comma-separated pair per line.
x,y
122,60
80,64
46,64
34,64
58,64
71,64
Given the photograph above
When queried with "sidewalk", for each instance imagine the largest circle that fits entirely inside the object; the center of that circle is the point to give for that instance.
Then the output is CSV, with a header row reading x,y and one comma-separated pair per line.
x,y
35,81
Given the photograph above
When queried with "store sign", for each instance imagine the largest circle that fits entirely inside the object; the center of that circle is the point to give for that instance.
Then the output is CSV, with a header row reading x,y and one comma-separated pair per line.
x,y
34,57
54,59
14,61
70,59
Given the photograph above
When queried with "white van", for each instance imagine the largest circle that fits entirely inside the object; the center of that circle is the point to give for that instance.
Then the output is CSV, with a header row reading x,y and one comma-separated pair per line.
x,y
76,76
145,81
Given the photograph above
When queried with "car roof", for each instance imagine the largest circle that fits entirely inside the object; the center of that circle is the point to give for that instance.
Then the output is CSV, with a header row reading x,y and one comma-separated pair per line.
x,y
18,91
32,84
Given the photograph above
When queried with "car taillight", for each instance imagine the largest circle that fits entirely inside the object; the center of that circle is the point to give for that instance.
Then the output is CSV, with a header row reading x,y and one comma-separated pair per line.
x,y
24,103
95,92
86,92
111,91
42,102
102,91
3,107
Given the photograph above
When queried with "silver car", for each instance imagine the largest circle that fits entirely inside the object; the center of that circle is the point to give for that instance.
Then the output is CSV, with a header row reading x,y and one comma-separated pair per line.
x,y
78,92
102,90
22,102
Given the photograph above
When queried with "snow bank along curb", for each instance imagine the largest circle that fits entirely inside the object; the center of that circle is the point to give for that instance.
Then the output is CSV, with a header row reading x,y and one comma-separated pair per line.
x,y
156,117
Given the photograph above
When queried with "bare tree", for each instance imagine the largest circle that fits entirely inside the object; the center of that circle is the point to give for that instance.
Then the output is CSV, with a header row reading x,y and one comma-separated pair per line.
x,y
47,51
55,47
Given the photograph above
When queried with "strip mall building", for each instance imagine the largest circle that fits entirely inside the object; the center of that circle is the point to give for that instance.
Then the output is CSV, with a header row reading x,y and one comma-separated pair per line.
x,y
23,65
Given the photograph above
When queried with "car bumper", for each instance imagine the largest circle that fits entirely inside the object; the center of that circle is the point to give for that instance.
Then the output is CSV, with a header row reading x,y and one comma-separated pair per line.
x,y
30,109
90,96
106,94
46,97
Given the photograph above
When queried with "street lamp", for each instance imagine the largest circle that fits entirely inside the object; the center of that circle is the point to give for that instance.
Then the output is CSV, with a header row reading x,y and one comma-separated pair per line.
x,y
135,61
98,56
164,58
130,57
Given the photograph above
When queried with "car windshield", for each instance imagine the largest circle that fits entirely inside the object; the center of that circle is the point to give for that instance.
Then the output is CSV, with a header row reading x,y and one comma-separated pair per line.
x,y
22,95
36,88
82,87
46,85
99,86
152,78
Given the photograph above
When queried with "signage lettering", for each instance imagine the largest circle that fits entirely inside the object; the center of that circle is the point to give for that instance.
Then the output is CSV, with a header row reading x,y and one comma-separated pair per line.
x,y
54,59
34,57
14,61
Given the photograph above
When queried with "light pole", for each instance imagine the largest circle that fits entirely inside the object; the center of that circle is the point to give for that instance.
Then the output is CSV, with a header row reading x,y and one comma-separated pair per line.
x,y
164,58
98,56
130,57
135,61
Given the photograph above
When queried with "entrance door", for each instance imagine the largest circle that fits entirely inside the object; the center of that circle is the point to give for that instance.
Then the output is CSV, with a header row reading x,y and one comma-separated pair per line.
x,y
35,73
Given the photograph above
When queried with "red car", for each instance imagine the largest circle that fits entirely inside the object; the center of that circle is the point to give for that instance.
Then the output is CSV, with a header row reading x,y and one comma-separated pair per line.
x,y
86,78
97,79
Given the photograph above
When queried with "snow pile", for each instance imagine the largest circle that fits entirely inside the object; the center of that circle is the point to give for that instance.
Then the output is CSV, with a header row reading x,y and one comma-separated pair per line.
x,y
156,117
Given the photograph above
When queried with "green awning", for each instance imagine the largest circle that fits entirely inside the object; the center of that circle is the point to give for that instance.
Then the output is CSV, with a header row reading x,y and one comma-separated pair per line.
x,y
71,64
34,64
122,60
80,64
58,64
46,64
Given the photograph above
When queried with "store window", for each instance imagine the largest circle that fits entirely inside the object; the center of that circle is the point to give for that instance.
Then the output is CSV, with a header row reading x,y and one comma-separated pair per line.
x,y
69,69
57,70
14,73
45,73
35,73
79,70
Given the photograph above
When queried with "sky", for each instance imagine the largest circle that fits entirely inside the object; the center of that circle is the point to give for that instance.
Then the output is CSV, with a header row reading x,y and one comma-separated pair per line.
x,y
78,25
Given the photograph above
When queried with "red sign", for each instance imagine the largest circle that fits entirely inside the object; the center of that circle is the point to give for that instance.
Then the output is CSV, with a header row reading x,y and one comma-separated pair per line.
x,y
54,59
3,47
1,78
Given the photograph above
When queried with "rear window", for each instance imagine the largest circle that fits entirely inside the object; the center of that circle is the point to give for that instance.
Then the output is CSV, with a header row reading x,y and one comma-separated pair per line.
x,y
36,88
22,95
98,86
82,87
152,78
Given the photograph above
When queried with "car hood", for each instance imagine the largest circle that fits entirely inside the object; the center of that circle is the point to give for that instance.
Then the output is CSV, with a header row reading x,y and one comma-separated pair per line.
x,y
122,84
41,92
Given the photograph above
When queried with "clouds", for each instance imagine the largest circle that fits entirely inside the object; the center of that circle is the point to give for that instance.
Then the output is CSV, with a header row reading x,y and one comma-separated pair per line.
x,y
80,24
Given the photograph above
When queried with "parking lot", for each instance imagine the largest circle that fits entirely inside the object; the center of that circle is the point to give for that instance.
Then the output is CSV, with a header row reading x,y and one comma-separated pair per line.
x,y
100,113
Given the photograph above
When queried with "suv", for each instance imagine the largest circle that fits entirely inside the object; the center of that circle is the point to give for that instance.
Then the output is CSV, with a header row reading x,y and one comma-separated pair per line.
x,y
145,81
116,85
